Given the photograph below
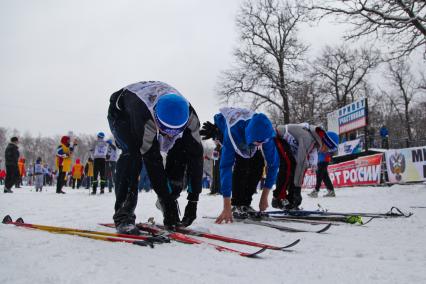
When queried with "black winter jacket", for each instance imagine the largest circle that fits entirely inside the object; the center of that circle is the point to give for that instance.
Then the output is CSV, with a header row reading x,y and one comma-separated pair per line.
x,y
11,155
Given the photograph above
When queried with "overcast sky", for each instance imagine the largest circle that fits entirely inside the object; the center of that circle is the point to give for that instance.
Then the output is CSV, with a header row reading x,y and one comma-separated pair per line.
x,y
61,60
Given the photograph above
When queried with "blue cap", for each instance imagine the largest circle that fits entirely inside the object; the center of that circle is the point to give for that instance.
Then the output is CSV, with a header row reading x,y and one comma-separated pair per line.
x,y
329,138
101,135
259,129
333,135
172,113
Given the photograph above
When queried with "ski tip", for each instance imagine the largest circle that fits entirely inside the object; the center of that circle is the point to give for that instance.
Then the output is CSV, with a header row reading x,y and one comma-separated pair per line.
x,y
255,254
324,229
290,245
20,220
7,219
368,221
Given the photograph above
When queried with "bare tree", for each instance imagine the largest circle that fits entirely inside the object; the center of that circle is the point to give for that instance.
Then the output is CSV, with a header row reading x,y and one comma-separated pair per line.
x,y
404,89
306,104
422,84
269,57
342,73
401,23
419,123
3,143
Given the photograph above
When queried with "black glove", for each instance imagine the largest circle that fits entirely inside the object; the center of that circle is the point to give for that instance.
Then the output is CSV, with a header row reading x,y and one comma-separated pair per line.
x,y
210,130
190,214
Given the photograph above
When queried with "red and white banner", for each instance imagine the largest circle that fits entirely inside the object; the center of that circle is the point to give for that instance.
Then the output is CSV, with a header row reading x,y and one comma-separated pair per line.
x,y
362,171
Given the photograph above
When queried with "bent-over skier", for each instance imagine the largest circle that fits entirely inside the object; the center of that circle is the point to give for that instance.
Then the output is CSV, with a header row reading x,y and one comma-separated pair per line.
x,y
298,145
247,139
147,118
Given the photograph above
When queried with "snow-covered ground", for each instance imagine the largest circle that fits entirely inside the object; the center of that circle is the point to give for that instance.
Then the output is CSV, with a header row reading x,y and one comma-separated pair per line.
x,y
384,251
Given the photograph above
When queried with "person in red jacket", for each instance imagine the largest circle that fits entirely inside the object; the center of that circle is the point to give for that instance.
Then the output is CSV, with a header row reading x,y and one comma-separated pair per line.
x,y
2,176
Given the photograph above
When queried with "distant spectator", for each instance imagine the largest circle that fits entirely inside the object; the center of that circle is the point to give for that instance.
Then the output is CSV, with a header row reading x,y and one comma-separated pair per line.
x,y
384,134
63,161
38,175
215,186
2,176
111,162
30,175
144,182
77,174
99,152
324,159
46,175
12,171
22,172
88,172
206,181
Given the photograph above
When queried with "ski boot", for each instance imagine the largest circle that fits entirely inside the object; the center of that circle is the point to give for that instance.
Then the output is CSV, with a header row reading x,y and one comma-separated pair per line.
x,y
102,191
127,229
253,214
291,206
279,204
313,194
170,209
330,193
190,214
239,213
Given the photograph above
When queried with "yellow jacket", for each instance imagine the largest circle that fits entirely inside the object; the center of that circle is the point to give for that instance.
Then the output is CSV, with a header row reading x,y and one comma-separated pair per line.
x,y
89,169
77,170
63,158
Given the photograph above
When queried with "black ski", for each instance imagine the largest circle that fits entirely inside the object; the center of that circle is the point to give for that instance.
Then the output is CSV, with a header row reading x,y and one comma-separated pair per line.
x,y
284,228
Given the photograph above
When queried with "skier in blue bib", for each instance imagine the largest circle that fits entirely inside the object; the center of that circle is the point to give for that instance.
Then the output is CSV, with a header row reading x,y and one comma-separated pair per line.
x,y
247,142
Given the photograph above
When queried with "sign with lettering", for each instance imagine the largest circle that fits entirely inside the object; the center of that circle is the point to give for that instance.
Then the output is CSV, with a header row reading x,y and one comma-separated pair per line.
x,y
348,118
406,165
361,171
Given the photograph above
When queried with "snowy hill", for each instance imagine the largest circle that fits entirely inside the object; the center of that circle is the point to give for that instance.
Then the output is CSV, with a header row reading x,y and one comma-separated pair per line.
x,y
383,251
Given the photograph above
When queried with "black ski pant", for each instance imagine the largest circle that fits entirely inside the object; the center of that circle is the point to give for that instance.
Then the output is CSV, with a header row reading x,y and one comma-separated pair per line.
x,y
61,180
322,175
88,181
78,180
179,172
128,165
285,187
12,176
98,170
245,177
215,185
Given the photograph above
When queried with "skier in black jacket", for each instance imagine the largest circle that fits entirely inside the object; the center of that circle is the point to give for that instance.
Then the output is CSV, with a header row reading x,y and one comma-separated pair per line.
x,y
12,171
146,118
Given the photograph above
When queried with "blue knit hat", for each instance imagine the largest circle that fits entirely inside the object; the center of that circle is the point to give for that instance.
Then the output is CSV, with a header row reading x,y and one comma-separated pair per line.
x,y
172,114
101,135
259,129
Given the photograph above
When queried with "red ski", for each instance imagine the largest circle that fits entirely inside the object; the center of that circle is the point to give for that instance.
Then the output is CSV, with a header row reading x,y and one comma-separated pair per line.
x,y
158,228
180,237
